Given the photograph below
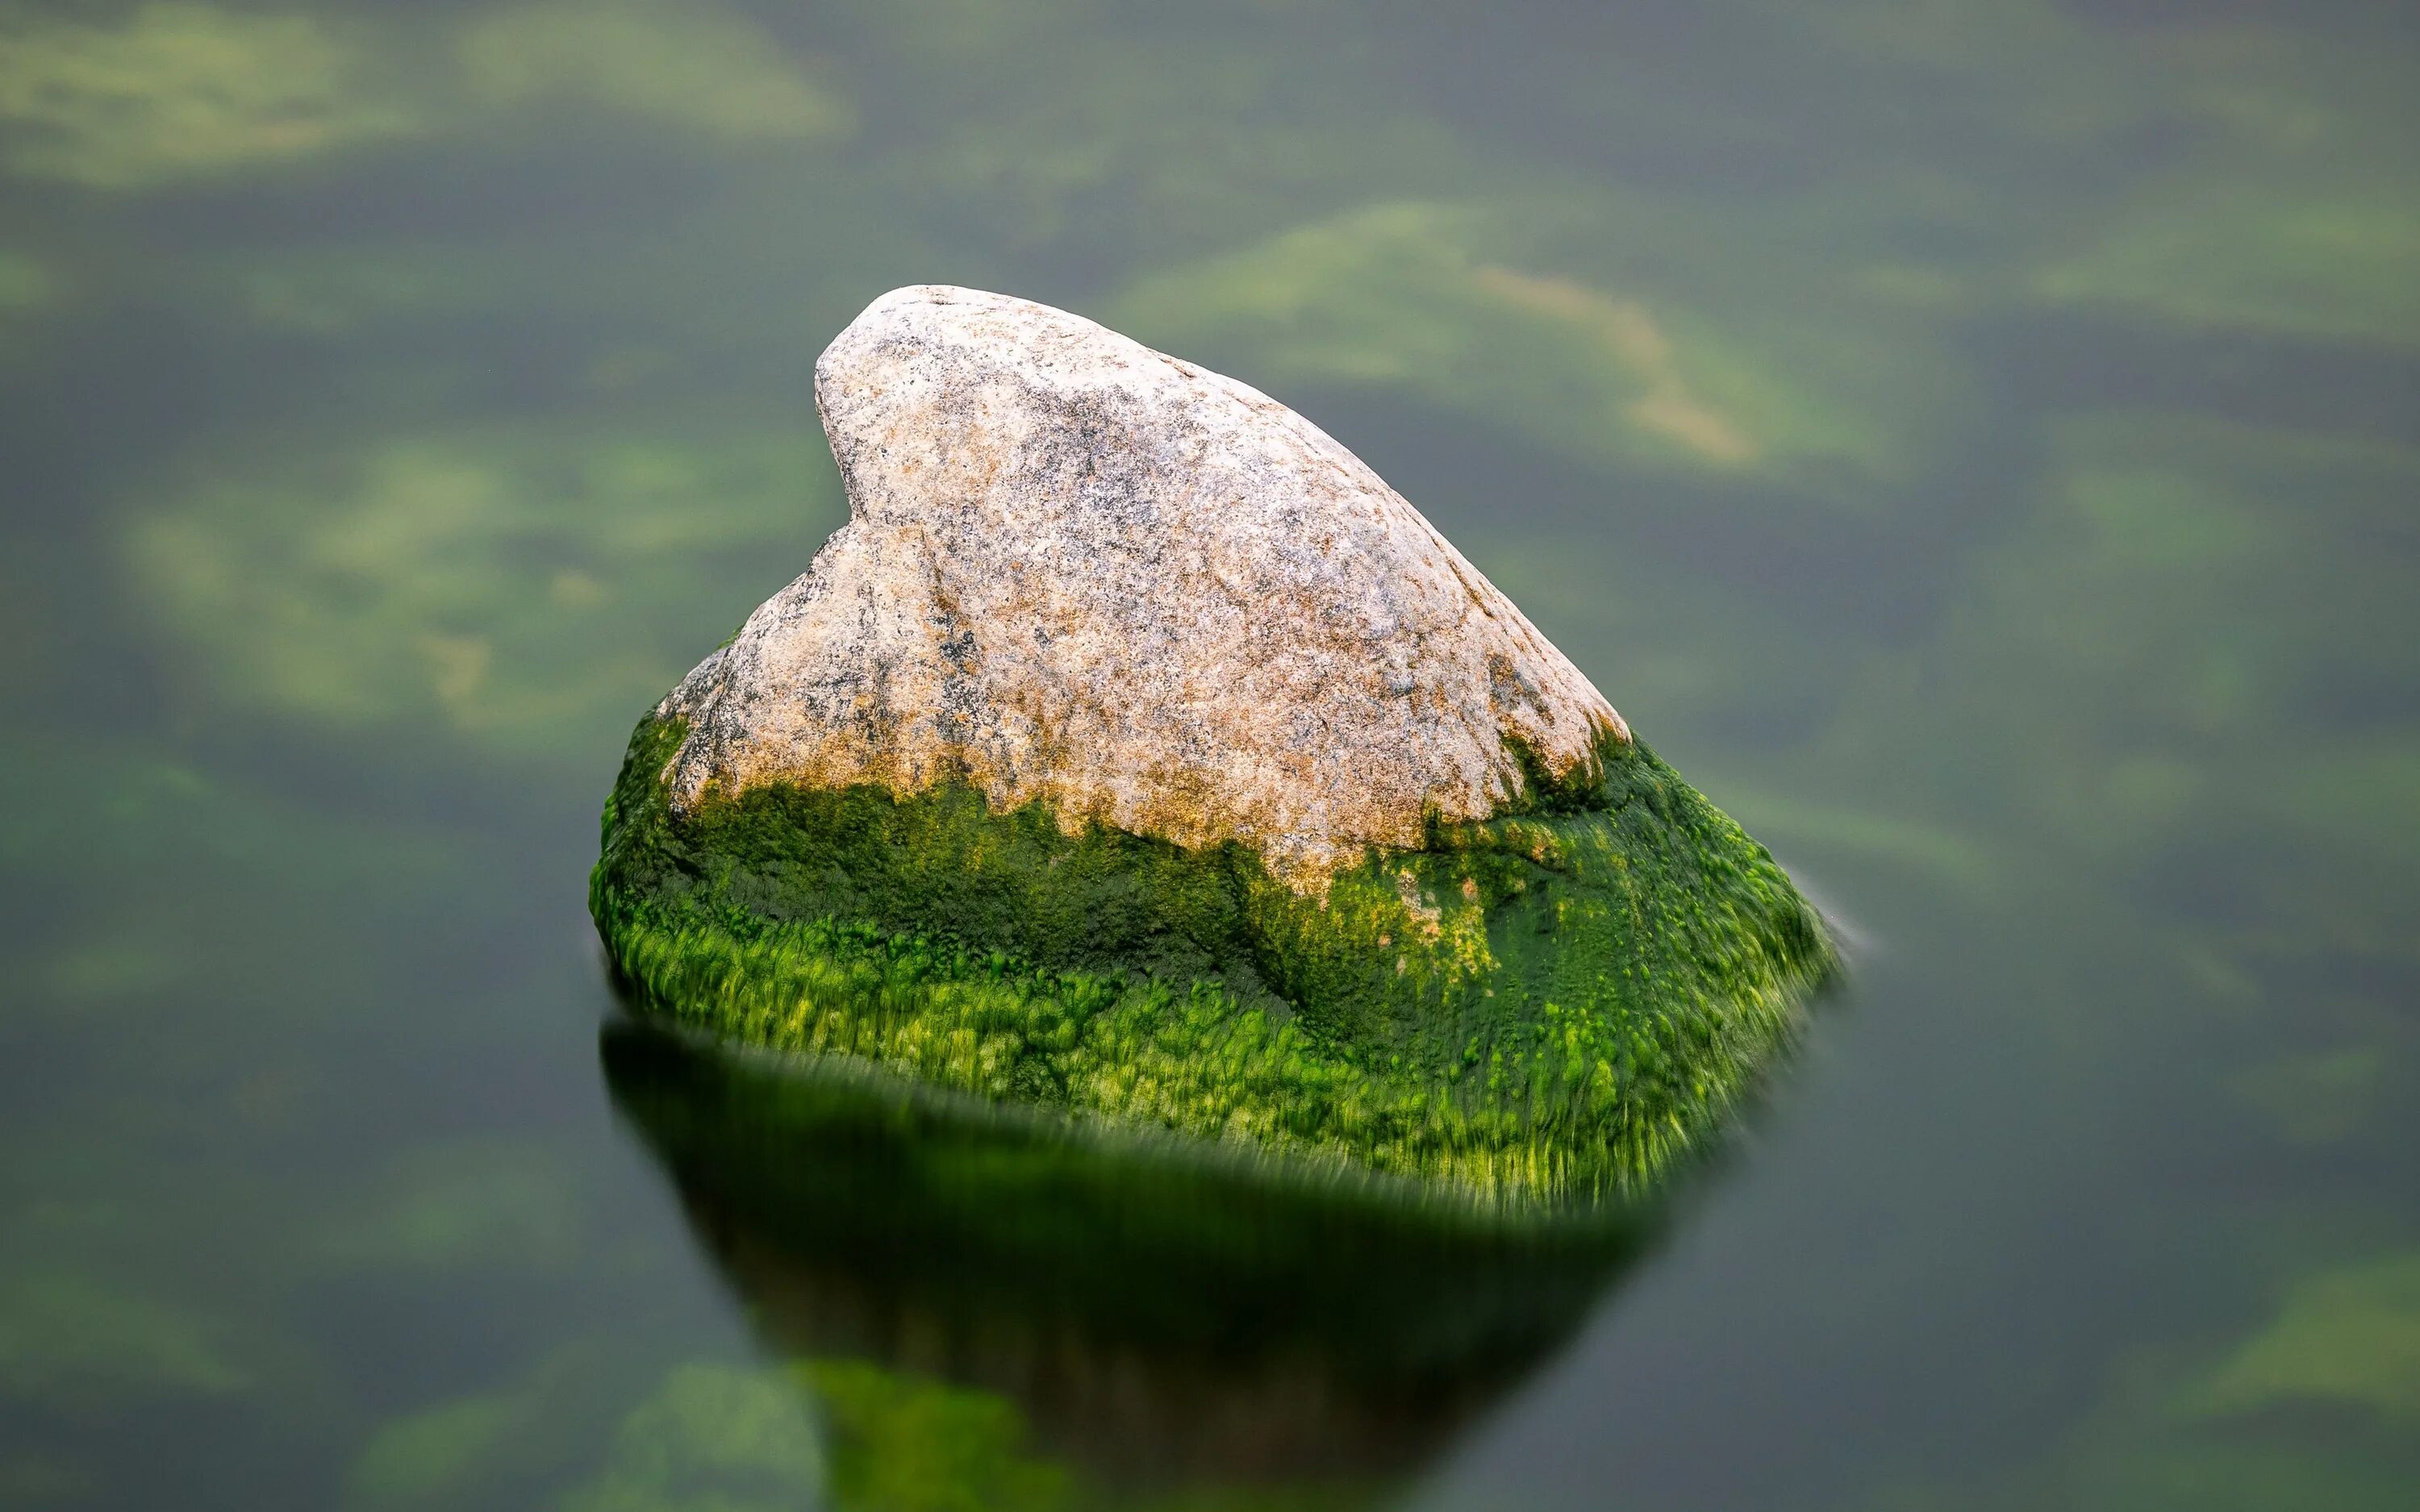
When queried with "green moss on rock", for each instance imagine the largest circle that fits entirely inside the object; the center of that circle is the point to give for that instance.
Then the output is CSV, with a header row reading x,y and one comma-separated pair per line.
x,y
1557,1003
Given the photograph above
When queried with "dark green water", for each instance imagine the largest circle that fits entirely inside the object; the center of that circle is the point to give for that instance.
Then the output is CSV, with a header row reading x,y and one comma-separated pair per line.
x,y
1977,441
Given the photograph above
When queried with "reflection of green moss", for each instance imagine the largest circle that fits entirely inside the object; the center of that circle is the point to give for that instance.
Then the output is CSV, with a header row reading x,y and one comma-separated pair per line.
x,y
1559,1002
901,1444
2348,1337
692,65
511,585
1434,299
712,1437
1321,1342
175,91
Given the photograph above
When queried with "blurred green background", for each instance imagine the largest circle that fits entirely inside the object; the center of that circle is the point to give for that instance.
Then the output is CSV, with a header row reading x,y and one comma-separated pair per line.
x,y
1977,440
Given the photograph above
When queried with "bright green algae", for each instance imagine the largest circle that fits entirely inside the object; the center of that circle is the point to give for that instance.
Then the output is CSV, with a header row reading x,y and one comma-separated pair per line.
x,y
1557,1003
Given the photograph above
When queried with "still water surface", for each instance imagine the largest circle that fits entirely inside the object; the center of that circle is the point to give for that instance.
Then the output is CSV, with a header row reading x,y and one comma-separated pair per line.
x,y
1977,440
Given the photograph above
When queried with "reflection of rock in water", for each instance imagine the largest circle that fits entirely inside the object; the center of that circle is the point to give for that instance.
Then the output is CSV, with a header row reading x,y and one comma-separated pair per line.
x,y
1152,1317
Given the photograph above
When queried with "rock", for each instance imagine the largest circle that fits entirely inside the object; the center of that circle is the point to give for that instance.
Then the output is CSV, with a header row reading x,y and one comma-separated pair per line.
x,y
1080,573
1134,750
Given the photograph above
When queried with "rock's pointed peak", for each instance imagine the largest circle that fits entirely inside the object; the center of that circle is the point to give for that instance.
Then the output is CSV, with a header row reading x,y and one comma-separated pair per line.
x,y
1082,572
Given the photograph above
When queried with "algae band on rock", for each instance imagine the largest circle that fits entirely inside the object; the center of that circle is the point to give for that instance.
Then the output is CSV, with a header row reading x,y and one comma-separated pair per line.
x,y
1134,751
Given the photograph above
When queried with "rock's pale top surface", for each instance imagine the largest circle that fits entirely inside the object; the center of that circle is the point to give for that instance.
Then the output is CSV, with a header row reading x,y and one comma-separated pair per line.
x,y
1079,571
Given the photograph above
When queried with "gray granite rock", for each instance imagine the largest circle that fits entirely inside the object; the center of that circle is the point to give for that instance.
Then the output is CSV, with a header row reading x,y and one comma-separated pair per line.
x,y
1077,570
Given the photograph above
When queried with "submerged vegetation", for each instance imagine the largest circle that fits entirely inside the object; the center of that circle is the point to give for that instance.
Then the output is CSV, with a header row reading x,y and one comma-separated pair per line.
x,y
1560,1002
179,91
502,584
1488,308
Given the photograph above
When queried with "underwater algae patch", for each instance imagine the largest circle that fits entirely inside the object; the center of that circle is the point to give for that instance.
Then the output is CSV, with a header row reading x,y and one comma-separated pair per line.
x,y
1560,1002
490,584
1564,324
175,92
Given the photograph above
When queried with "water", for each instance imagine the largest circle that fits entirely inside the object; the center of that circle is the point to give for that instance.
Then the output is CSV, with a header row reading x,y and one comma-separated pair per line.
x,y
1976,442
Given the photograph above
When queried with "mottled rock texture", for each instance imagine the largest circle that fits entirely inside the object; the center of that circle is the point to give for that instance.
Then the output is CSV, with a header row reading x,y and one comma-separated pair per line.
x,y
1135,752
1082,573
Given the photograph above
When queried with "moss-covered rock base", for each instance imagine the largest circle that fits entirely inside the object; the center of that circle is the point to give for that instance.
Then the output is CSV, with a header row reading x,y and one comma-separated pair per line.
x,y
1555,1004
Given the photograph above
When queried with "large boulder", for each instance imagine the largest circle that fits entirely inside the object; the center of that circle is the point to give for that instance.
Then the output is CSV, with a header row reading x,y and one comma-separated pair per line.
x,y
1135,751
